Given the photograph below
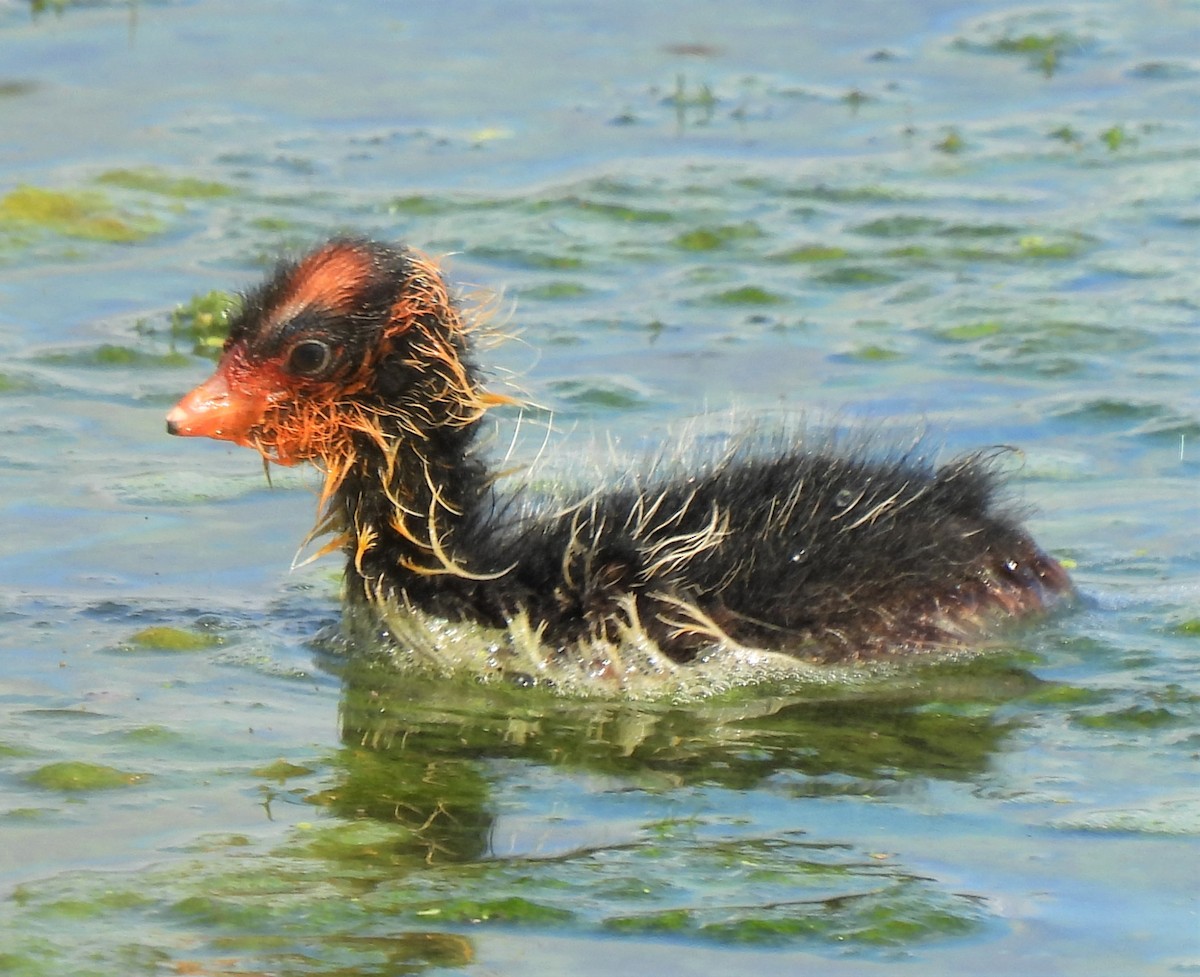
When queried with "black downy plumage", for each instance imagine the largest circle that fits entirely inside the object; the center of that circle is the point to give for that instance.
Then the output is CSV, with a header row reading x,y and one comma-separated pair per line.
x,y
357,359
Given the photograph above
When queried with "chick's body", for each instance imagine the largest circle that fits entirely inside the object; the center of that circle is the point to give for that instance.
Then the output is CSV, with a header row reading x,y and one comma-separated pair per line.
x,y
357,359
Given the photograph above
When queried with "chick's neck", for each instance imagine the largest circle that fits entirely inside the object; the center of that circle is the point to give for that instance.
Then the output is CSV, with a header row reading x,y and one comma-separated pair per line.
x,y
409,483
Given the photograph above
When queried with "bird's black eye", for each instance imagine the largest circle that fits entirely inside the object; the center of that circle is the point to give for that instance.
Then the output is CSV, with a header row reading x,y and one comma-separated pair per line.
x,y
309,358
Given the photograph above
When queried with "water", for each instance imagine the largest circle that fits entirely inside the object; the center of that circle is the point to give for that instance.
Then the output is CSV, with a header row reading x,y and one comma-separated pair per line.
x,y
972,220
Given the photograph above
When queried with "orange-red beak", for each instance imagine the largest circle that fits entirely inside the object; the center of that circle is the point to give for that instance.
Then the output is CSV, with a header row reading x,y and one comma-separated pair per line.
x,y
216,409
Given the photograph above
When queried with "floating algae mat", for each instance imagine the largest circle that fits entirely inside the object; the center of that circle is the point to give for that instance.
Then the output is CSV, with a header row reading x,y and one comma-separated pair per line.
x,y
86,214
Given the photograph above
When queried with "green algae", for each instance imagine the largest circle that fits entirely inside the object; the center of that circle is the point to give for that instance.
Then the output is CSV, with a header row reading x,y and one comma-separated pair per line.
x,y
969,331
151,180
1042,51
713,238
166,638
829,193
110,354
1164,71
1113,409
952,143
114,355
524,258
912,252
1062,694
873,353
937,241
1036,246
898,225
152,736
810,253
556,291
361,844
622,213
204,321
15,87
58,6
1175,694
685,96
39,961
513,910
272,224
1033,43
101,904
747,295
976,230
214,843
667,921
871,904
8,750
217,913
603,393
1131,718
26,815
1067,134
76,775
11,384
1115,138
83,214
1029,247
1047,348
856,276
856,98
425,205
281,770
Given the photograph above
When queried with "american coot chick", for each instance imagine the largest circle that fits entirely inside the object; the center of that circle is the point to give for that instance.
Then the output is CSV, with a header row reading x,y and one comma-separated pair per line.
x,y
357,359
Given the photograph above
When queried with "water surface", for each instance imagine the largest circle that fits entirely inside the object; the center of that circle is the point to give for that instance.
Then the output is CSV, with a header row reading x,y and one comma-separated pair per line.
x,y
976,221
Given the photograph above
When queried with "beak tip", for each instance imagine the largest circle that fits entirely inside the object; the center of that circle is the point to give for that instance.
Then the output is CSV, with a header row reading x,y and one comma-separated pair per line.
x,y
175,418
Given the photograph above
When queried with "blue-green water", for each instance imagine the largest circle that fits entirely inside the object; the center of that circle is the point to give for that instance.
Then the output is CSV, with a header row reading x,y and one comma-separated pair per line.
x,y
974,220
